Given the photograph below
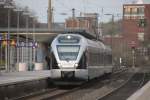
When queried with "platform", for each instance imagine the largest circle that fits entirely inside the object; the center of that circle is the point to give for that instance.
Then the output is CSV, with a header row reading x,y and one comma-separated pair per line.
x,y
17,84
15,77
142,94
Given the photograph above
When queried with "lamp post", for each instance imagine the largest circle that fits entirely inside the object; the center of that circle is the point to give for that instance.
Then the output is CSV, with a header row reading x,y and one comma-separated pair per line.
x,y
2,2
26,13
0,50
9,6
18,10
50,14
33,35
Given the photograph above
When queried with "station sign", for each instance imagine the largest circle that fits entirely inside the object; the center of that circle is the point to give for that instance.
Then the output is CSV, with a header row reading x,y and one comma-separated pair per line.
x,y
5,40
13,42
27,44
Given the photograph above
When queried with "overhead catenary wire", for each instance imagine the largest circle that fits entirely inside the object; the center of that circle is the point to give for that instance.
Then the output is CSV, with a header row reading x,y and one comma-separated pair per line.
x,y
85,6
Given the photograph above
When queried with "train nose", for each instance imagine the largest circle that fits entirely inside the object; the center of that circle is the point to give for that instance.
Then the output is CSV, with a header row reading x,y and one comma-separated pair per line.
x,y
67,74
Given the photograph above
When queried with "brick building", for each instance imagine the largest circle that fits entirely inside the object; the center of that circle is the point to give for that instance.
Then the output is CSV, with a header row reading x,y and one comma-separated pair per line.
x,y
88,22
136,20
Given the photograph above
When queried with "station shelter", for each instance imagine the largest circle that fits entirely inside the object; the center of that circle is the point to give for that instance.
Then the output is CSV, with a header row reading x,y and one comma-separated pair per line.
x,y
25,54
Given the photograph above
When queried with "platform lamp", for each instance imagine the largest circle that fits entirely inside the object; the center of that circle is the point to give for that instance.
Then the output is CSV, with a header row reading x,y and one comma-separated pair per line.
x,y
0,49
26,13
2,2
18,10
8,5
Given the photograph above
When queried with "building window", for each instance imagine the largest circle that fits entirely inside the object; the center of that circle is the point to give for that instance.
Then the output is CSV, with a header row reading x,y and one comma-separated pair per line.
x,y
134,11
127,10
141,10
140,36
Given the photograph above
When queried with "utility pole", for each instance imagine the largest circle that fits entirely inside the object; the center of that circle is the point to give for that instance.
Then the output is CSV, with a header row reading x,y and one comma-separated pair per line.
x,y
112,32
18,10
50,14
9,6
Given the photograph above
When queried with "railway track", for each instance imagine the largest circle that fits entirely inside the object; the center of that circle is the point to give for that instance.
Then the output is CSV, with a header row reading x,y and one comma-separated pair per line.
x,y
124,92
88,91
56,93
35,94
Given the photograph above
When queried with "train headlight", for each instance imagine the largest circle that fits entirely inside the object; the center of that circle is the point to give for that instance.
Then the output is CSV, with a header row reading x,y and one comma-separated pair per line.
x,y
75,65
68,37
59,65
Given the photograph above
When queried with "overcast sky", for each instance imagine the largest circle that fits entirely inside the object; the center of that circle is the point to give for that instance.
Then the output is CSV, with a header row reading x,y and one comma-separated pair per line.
x,y
81,6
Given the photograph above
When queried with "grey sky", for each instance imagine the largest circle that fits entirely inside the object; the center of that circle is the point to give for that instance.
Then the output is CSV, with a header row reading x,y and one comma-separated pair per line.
x,y
38,6
81,6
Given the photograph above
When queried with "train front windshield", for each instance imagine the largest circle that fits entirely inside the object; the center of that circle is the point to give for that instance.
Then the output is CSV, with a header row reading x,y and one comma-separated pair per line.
x,y
68,52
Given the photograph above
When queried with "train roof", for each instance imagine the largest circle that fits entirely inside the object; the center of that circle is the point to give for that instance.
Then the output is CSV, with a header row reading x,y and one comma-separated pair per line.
x,y
87,41
80,32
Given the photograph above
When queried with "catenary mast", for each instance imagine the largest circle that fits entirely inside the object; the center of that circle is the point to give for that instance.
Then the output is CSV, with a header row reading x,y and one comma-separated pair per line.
x,y
50,14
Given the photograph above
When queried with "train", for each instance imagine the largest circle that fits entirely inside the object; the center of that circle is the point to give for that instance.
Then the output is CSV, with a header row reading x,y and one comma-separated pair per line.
x,y
77,58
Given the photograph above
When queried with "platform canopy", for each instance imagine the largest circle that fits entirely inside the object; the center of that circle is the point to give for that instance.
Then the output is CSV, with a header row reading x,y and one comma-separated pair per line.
x,y
45,35
39,37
